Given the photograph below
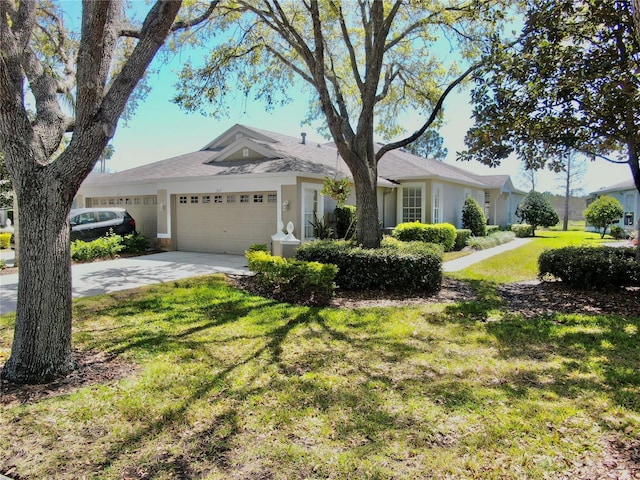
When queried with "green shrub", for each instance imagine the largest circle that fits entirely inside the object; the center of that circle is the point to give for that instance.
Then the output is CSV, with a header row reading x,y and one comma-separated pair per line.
x,y
3,264
345,221
258,247
291,280
462,236
493,229
591,267
441,233
396,266
602,212
104,247
473,217
134,243
536,210
618,233
5,239
522,230
493,240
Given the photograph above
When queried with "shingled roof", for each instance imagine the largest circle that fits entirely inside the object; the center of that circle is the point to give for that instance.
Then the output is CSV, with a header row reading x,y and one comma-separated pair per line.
x,y
275,153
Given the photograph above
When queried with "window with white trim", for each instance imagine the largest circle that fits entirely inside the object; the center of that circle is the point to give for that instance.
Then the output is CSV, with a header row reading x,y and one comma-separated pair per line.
x,y
206,199
258,198
194,199
244,198
436,202
411,204
311,198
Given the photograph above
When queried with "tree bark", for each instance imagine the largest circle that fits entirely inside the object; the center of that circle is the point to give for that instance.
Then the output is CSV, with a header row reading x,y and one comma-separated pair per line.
x,y
45,187
368,231
41,347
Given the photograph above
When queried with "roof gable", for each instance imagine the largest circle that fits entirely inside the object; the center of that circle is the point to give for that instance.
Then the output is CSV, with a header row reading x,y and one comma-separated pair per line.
x,y
245,149
235,134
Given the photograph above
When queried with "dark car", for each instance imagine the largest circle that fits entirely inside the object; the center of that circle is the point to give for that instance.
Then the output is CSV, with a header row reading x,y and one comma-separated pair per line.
x,y
90,223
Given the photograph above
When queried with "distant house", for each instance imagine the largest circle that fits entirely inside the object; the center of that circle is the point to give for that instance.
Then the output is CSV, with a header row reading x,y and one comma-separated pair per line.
x,y
236,190
627,194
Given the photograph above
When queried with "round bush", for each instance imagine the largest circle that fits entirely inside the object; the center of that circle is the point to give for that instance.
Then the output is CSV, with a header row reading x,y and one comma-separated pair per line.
x,y
473,217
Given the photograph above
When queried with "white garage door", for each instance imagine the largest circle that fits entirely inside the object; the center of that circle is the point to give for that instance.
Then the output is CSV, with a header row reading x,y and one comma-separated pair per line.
x,y
224,223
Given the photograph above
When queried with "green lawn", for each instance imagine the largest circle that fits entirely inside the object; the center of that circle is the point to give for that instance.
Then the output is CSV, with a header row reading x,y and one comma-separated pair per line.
x,y
225,385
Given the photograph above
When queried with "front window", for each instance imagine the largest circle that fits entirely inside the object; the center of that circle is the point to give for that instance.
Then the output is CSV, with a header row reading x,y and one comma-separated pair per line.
x,y
411,204
437,203
311,208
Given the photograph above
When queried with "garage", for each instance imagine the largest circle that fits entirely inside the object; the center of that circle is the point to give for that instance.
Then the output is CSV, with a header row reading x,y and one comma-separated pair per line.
x,y
224,222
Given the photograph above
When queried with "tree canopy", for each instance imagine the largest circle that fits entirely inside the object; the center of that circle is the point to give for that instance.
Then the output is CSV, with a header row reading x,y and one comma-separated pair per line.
x,y
603,212
570,84
429,145
364,64
537,211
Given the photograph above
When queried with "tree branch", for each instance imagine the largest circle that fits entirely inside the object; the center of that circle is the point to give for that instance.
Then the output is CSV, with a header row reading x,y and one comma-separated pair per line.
x,y
434,114
179,25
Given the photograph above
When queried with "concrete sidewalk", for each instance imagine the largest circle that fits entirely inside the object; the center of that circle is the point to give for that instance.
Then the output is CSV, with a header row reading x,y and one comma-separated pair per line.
x,y
475,257
125,273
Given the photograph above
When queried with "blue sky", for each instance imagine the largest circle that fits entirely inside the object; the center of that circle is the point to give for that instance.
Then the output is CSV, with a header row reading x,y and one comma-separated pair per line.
x,y
159,129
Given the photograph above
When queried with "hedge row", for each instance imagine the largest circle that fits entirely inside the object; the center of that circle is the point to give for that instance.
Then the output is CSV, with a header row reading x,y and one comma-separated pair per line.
x,y
441,233
396,266
591,267
462,237
291,280
493,240
108,246
522,230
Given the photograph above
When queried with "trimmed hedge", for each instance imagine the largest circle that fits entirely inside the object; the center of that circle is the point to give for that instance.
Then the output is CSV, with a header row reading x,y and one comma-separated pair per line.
x,y
5,239
591,268
522,230
396,266
462,237
491,229
291,280
440,233
493,240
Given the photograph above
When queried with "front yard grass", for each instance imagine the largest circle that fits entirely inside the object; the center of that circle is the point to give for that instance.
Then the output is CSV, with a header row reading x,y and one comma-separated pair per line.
x,y
227,385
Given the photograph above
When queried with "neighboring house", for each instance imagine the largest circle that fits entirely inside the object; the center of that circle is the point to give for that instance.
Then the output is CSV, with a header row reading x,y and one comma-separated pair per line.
x,y
239,188
627,194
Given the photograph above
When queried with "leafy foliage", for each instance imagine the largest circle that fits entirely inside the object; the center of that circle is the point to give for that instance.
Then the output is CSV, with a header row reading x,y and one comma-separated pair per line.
x,y
101,248
309,283
336,189
395,266
473,217
604,211
441,233
493,240
5,239
537,211
346,219
321,229
429,145
522,230
363,70
462,236
591,267
570,84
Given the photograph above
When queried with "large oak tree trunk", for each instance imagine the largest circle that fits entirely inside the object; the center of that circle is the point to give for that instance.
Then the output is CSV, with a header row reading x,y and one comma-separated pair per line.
x,y
368,225
41,347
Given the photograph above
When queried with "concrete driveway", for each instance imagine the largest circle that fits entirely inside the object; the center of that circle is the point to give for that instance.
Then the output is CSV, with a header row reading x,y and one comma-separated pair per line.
x,y
125,273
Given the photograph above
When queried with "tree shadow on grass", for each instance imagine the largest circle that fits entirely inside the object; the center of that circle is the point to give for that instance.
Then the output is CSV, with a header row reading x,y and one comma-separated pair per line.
x,y
582,353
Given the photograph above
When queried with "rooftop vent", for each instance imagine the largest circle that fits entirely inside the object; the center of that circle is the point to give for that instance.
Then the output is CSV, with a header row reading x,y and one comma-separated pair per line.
x,y
304,138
